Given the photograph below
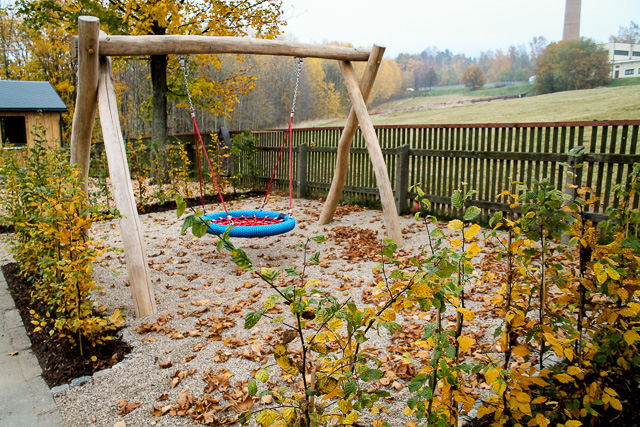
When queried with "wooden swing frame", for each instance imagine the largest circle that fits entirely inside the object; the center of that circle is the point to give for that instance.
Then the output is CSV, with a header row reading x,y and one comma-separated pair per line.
x,y
96,90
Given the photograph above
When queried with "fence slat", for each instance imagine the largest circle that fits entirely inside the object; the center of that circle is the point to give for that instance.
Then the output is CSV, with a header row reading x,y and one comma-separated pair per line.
x,y
442,157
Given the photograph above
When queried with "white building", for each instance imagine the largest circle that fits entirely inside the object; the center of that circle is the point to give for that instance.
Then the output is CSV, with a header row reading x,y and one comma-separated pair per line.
x,y
624,59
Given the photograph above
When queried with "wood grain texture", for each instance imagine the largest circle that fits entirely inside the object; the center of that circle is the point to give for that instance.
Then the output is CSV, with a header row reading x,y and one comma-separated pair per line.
x,y
389,210
49,120
87,94
344,146
186,45
130,228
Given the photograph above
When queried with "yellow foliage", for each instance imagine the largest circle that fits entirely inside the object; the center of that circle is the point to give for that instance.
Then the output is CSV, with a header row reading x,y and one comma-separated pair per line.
x,y
472,231
455,225
631,336
455,243
465,342
284,361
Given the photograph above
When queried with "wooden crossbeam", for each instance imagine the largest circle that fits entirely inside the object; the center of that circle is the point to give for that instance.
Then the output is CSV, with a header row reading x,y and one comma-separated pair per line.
x,y
189,45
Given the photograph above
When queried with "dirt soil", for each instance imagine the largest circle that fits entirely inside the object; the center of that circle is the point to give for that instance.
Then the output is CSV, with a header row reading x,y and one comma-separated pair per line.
x,y
60,361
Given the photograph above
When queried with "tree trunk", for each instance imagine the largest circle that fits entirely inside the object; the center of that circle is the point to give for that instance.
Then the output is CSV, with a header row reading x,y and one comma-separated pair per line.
x,y
159,108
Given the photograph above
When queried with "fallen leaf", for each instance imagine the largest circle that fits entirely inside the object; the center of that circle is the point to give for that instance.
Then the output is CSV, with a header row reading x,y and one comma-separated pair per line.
x,y
243,406
126,407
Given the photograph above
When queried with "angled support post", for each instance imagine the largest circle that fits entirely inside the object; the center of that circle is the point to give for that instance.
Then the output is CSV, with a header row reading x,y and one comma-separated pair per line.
x,y
389,210
344,146
144,303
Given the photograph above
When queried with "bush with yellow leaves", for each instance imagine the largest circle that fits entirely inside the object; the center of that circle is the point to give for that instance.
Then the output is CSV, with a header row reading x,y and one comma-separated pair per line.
x,y
51,217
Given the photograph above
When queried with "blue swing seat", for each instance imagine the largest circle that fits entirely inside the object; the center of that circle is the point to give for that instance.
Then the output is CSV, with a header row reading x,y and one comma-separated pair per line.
x,y
250,223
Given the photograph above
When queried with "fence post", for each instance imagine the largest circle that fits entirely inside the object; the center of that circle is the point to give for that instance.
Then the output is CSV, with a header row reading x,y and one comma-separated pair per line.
x,y
302,170
574,176
574,179
402,178
227,164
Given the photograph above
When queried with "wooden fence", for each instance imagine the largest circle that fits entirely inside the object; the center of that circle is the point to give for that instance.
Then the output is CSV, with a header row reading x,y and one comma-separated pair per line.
x,y
442,158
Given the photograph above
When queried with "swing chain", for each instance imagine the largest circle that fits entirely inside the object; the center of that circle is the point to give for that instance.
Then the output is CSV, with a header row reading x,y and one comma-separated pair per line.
x,y
298,71
185,75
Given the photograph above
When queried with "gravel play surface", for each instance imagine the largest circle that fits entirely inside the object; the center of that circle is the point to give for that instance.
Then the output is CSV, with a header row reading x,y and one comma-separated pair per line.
x,y
197,345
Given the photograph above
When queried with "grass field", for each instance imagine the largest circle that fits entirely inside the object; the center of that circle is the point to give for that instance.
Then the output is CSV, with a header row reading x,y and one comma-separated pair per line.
x,y
451,106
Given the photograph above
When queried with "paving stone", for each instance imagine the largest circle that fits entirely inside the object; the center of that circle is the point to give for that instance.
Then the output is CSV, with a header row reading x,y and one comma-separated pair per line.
x,y
80,380
12,319
6,300
19,339
25,399
59,389
29,364
102,373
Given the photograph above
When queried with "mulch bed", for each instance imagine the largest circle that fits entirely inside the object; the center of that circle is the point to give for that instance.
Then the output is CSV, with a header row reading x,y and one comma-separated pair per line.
x,y
60,361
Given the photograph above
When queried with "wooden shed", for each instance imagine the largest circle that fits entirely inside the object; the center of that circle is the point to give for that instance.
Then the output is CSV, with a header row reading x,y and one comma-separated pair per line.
x,y
24,104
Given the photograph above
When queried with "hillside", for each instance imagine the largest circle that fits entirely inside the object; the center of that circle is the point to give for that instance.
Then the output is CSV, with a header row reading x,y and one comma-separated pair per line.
x,y
454,106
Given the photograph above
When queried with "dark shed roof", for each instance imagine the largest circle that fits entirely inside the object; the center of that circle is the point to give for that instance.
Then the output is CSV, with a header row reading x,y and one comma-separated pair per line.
x,y
29,96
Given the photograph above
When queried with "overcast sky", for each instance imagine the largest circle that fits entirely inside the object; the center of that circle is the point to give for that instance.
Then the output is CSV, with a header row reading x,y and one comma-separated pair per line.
x,y
462,26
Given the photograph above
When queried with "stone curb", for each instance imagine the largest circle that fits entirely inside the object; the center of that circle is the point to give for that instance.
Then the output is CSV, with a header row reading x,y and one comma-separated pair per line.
x,y
25,399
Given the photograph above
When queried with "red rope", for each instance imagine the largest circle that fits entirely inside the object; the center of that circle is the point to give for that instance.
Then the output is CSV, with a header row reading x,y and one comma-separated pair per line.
x,y
291,165
275,169
206,155
196,136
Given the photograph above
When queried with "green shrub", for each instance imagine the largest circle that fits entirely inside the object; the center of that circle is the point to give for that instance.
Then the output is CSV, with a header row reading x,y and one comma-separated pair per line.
x,y
51,219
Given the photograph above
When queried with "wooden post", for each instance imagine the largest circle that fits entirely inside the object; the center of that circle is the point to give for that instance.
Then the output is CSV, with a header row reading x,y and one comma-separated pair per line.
x,y
573,180
130,228
303,149
227,164
375,153
87,95
344,146
402,178
574,176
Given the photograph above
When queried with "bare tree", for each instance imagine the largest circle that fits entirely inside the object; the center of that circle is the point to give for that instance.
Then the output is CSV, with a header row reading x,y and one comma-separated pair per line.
x,y
630,34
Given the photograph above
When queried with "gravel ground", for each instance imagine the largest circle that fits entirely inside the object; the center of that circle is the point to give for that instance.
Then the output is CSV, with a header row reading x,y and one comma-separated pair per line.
x,y
189,276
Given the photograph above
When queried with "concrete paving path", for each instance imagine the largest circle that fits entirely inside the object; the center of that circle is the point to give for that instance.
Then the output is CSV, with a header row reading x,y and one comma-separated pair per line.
x,y
25,399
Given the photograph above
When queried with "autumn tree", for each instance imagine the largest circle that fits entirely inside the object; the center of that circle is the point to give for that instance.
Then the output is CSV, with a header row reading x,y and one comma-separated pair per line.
x,y
473,77
572,65
37,53
13,44
388,82
431,79
260,18
500,69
